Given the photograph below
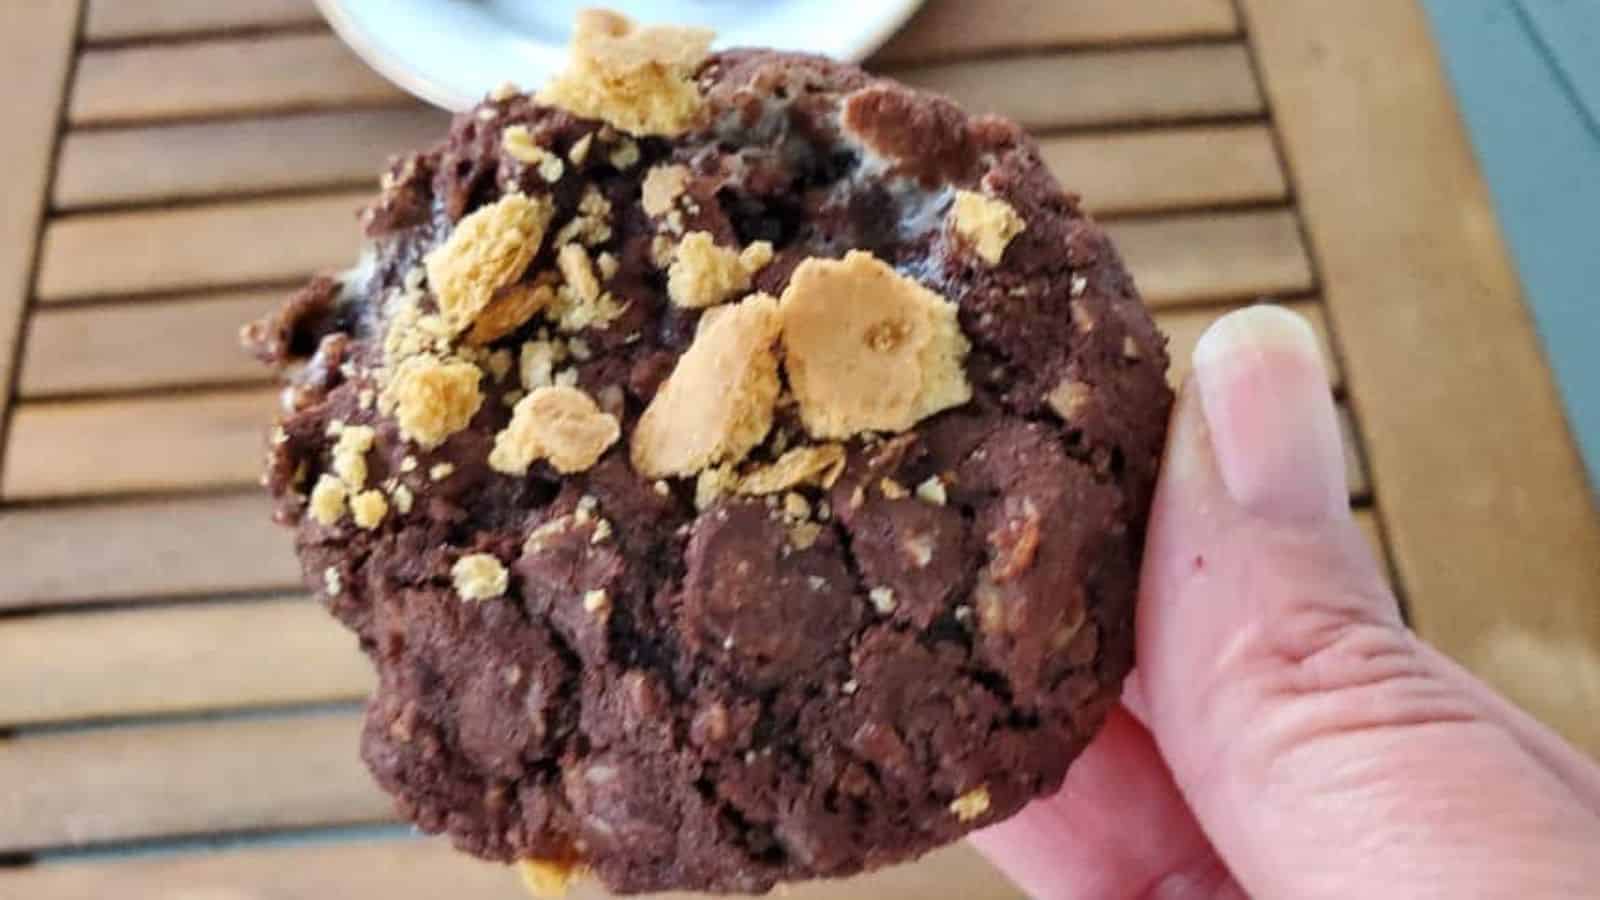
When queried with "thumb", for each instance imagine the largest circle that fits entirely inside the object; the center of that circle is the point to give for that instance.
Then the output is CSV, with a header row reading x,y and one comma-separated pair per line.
x,y
1324,751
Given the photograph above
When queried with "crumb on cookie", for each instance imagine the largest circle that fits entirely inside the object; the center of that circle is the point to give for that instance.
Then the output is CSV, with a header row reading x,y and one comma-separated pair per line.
x,y
987,223
704,274
640,80
487,250
561,424
479,576
432,399
718,402
869,349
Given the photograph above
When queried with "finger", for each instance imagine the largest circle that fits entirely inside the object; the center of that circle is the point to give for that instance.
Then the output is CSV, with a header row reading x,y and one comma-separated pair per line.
x,y
1296,713
1117,828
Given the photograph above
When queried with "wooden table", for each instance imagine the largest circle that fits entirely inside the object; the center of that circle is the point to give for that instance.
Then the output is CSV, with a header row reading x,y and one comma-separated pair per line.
x,y
174,166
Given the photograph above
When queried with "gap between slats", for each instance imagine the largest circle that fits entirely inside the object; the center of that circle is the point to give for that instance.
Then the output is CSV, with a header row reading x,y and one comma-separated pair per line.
x,y
128,20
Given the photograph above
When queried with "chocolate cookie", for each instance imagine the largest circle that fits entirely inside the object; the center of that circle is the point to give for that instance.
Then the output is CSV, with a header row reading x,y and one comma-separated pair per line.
x,y
735,465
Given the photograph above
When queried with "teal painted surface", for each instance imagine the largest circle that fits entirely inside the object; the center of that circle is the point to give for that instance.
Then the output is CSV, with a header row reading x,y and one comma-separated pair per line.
x,y
1527,73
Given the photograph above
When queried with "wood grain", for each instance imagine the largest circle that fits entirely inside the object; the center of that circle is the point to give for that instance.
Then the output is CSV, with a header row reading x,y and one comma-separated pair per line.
x,y
82,787
945,28
35,52
166,547
1211,257
138,346
176,659
225,77
1183,327
100,447
237,156
1490,516
404,869
110,254
121,20
1150,171
1113,87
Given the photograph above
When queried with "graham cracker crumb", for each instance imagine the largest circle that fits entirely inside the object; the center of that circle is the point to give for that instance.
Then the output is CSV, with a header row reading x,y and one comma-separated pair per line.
x,y
803,534
892,489
596,601
332,582
368,509
868,349
932,491
441,471
499,364
662,187
518,144
625,155
328,500
592,224
1068,398
580,149
608,266
1130,348
712,485
408,464
1078,286
350,454
640,80
510,309
972,804
403,498
717,404
431,399
987,223
487,250
578,272
703,274
479,576
661,250
820,464
504,91
561,424
538,363
547,877
882,600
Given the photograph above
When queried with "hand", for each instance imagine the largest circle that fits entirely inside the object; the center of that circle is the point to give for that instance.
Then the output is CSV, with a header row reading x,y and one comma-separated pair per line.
x,y
1285,735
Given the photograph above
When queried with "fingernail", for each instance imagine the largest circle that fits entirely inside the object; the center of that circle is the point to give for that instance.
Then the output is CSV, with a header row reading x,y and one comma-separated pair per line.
x,y
1265,396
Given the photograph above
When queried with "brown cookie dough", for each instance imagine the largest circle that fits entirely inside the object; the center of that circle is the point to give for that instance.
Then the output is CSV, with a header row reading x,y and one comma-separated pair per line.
x,y
735,466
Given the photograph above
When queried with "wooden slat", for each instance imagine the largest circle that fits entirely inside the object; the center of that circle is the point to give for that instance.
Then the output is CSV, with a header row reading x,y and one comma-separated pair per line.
x,y
222,77
35,49
100,447
1183,328
141,345
1147,171
121,20
112,784
949,27
427,870
107,254
1202,258
1490,516
176,659
1102,88
171,547
240,156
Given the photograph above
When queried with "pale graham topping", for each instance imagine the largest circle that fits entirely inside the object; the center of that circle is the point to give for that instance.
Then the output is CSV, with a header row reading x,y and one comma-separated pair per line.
x,y
704,274
548,878
518,143
972,804
479,576
718,402
487,250
327,500
868,349
432,399
661,188
640,80
987,223
820,465
561,424
368,509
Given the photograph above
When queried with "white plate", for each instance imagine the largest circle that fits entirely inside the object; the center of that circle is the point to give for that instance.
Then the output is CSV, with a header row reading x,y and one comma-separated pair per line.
x,y
453,52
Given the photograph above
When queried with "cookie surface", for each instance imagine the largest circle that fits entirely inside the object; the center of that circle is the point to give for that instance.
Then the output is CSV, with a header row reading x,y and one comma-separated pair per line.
x,y
736,468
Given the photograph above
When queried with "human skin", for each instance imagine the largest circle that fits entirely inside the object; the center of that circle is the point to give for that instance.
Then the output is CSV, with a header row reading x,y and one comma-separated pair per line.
x,y
1285,735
